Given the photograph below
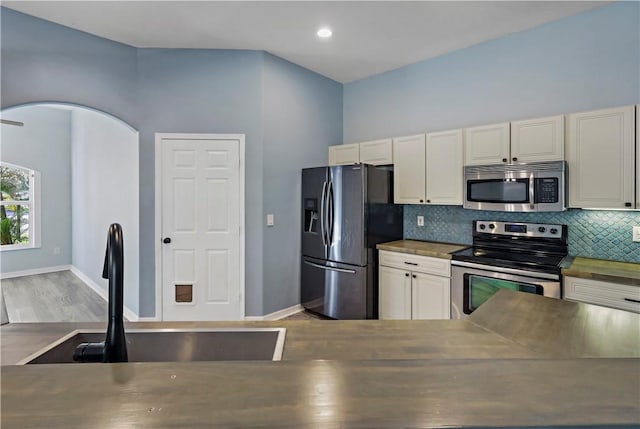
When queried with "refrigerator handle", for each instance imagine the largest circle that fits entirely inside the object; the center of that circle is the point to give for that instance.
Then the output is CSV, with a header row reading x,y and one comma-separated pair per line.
x,y
322,214
330,216
324,267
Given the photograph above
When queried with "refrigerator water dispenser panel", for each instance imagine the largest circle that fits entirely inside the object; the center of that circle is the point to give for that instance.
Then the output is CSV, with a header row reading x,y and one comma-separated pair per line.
x,y
311,215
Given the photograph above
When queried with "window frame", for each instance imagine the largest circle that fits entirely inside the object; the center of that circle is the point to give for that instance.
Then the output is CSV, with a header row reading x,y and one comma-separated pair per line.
x,y
34,210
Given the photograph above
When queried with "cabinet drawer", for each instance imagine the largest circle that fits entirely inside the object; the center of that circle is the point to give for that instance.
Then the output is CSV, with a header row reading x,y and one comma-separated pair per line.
x,y
602,293
422,264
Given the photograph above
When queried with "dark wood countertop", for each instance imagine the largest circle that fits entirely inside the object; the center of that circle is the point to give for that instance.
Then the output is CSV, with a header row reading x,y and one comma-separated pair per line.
x,y
323,394
609,271
317,339
422,248
514,363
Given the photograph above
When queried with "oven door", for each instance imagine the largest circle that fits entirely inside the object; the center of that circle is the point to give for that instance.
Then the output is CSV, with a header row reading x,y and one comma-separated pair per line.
x,y
472,284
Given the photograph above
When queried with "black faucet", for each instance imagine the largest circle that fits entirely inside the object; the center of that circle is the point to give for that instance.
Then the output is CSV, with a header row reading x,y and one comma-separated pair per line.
x,y
114,348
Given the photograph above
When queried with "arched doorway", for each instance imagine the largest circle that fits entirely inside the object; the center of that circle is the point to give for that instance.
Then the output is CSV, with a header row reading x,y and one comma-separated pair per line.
x,y
88,164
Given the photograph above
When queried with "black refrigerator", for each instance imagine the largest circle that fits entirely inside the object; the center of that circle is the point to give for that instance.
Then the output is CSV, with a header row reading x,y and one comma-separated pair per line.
x,y
346,211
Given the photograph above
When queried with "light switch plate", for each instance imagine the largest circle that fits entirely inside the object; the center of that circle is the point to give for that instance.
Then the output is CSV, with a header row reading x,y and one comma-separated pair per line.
x,y
270,220
636,233
420,220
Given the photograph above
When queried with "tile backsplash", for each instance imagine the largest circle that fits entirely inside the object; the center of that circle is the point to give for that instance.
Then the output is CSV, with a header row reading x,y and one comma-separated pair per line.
x,y
592,233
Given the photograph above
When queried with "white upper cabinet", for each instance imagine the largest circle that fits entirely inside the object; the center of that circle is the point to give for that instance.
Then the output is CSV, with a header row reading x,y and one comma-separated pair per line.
x,y
444,168
541,139
487,144
409,169
344,154
377,152
601,156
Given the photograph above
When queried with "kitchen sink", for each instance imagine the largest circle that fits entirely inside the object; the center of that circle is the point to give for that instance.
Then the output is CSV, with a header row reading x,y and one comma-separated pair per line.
x,y
175,345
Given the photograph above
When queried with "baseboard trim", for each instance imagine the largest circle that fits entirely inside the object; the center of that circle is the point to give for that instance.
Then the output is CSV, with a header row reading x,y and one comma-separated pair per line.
x,y
35,271
277,315
148,319
104,294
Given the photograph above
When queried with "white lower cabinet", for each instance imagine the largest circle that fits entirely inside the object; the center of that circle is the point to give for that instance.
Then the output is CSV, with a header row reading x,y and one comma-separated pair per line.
x,y
395,294
430,296
406,293
614,295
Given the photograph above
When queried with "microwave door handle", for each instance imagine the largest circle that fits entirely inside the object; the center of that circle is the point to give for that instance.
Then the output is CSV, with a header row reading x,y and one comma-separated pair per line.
x,y
532,192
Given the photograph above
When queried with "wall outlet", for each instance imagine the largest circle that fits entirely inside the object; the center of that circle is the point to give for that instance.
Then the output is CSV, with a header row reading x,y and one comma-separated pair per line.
x,y
636,233
56,250
420,220
270,220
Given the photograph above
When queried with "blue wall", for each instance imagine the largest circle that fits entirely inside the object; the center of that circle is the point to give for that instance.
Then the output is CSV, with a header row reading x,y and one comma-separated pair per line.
x,y
190,91
42,144
302,113
587,61
43,61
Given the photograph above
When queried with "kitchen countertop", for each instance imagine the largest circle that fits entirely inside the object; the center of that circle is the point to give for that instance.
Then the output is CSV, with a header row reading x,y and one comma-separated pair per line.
x,y
600,269
422,248
504,366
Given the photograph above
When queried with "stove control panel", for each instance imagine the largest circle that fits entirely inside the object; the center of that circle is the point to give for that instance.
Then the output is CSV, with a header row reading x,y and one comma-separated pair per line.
x,y
518,229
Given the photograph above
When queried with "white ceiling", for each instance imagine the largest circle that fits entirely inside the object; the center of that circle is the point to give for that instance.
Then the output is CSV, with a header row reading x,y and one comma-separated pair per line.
x,y
369,37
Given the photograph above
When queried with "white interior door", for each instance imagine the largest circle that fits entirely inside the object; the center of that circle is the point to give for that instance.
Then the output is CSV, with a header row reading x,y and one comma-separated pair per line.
x,y
201,211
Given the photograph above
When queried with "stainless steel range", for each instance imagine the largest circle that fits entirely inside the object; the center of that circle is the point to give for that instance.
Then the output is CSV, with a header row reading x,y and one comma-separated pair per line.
x,y
524,257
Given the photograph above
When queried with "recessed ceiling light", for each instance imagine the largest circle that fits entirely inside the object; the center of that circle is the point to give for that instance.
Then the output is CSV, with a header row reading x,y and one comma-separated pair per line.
x,y
324,33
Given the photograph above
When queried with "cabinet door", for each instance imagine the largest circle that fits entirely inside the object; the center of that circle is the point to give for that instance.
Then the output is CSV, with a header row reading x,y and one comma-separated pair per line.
x,y
601,157
378,152
430,297
486,145
409,169
444,167
344,154
394,300
638,156
535,140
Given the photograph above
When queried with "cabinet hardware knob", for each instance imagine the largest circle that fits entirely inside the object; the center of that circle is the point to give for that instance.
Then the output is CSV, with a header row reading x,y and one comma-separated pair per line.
x,y
632,300
514,158
422,201
413,275
406,274
167,240
627,204
504,159
428,201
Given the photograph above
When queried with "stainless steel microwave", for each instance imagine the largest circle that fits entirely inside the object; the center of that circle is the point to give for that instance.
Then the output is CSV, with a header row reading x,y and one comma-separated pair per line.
x,y
534,187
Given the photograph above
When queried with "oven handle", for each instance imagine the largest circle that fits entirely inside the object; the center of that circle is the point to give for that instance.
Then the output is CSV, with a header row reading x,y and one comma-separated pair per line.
x,y
533,274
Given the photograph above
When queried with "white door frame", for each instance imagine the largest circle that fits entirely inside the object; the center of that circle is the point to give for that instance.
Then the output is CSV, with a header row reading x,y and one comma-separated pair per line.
x,y
158,210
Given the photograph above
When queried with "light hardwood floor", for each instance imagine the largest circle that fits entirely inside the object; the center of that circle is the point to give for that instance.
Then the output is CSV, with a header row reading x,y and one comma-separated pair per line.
x,y
52,297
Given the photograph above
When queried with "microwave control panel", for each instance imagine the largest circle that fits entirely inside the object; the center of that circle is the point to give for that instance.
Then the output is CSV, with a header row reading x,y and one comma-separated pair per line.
x,y
547,190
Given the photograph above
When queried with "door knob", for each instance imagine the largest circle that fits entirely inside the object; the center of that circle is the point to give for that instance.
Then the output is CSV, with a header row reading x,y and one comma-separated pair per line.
x,y
167,240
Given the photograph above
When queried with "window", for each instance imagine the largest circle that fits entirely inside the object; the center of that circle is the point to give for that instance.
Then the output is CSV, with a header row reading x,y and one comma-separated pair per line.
x,y
19,208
